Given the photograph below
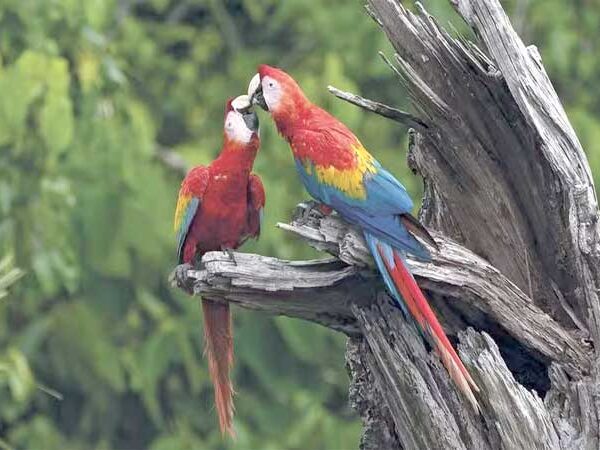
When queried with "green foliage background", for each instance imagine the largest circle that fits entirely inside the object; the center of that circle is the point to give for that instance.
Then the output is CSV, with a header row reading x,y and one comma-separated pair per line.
x,y
96,351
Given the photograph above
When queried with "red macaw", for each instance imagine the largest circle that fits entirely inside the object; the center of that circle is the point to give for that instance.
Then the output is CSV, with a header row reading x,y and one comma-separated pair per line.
x,y
219,207
342,175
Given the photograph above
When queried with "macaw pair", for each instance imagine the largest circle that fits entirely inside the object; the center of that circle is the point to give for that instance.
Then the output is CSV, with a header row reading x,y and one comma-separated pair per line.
x,y
219,208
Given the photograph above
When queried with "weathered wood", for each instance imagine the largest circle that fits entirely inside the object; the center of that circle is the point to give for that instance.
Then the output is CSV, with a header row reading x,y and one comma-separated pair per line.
x,y
350,299
318,291
468,290
509,191
567,240
324,291
506,177
500,155
379,108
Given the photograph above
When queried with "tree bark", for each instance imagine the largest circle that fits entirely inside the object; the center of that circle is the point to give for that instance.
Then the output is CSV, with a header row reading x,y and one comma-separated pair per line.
x,y
510,195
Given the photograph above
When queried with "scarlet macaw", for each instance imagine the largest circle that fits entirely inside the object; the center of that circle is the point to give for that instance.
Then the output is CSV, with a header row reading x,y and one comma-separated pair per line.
x,y
341,174
218,208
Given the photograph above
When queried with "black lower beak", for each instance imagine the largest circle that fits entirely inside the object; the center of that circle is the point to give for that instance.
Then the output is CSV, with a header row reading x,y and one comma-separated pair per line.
x,y
251,120
259,99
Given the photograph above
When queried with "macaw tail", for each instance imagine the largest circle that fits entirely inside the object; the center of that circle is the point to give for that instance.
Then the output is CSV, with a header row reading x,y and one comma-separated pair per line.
x,y
218,347
407,293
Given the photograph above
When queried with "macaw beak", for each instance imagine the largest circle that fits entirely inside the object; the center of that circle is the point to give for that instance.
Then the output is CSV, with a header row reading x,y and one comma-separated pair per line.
x,y
242,105
255,93
251,120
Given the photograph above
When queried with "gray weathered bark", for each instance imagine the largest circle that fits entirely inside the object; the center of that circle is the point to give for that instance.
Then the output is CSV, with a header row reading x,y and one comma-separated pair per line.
x,y
509,191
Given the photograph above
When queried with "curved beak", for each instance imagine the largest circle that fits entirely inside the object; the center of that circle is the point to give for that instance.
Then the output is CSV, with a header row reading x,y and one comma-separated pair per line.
x,y
255,93
251,120
242,105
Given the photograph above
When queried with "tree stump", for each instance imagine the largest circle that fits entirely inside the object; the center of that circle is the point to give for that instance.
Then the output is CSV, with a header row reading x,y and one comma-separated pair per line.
x,y
510,196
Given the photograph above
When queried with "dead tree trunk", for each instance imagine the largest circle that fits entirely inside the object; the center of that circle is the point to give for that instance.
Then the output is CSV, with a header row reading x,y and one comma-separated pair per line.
x,y
510,195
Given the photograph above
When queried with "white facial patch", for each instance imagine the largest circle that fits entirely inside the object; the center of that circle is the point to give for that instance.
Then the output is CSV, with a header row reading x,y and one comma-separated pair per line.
x,y
253,86
236,128
241,103
271,92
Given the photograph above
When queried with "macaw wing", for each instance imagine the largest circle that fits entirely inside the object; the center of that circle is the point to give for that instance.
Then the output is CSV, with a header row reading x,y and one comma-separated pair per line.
x,y
385,194
380,209
256,205
188,204
389,229
332,162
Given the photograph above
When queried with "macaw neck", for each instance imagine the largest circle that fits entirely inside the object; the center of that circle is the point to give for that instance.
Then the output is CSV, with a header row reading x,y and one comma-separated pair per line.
x,y
292,116
237,156
285,125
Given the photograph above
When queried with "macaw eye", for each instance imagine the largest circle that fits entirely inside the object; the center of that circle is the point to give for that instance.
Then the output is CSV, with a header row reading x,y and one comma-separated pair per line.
x,y
271,84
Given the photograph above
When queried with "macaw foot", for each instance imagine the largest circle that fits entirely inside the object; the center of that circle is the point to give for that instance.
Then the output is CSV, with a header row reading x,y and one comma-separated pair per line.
x,y
311,206
231,255
325,210
179,277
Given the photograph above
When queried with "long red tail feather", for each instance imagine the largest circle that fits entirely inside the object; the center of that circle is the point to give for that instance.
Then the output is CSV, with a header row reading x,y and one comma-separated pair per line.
x,y
218,346
421,311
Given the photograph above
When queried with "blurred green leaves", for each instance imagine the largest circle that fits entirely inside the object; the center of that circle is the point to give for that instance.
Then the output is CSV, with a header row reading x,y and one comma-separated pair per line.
x,y
8,275
16,375
32,76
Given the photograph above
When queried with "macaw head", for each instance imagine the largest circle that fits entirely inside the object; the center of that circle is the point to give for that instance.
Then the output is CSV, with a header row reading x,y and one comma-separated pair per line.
x,y
241,122
276,92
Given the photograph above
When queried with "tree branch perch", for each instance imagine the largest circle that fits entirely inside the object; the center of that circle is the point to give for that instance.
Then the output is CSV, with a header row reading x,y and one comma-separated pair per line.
x,y
325,291
381,109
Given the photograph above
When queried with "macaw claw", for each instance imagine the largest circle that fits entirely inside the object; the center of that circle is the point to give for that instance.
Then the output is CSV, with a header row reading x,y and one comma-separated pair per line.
x,y
230,254
311,206
179,277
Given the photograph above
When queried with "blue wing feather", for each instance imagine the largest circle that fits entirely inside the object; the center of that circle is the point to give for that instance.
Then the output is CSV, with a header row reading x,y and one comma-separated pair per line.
x,y
188,216
385,194
386,198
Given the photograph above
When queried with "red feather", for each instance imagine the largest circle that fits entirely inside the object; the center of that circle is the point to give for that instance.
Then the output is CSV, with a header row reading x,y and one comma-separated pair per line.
x,y
218,346
230,199
309,127
256,204
222,217
421,311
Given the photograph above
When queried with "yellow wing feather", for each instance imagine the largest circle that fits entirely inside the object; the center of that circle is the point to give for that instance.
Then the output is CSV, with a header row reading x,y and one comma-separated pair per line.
x,y
182,203
349,181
